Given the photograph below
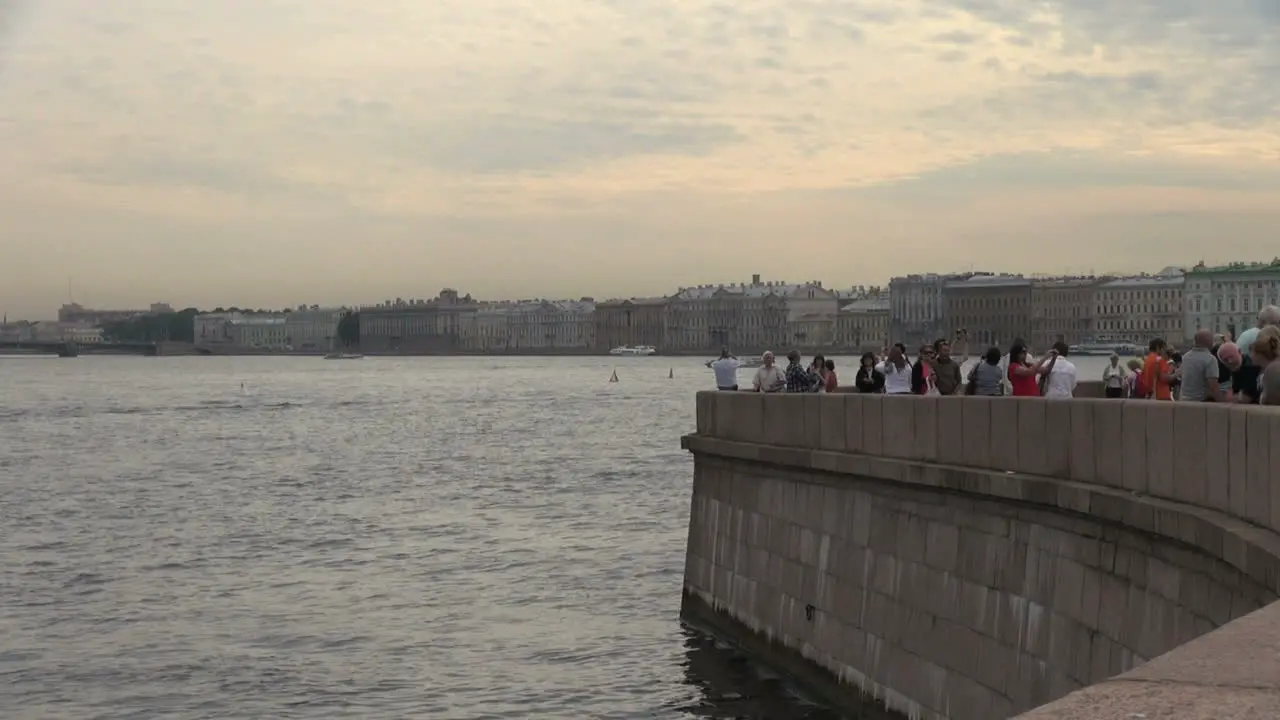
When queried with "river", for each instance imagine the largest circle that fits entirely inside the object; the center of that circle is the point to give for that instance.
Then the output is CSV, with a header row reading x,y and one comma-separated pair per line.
x,y
298,538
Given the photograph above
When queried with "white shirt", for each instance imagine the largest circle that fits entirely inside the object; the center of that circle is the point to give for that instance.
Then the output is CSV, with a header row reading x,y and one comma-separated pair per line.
x,y
896,381
1062,379
769,379
726,371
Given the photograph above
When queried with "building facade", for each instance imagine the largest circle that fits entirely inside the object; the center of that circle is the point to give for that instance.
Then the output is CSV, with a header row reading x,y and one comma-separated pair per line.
x,y
77,314
1135,310
992,309
1228,296
1062,310
918,307
863,324
313,328
750,317
633,321
418,326
263,331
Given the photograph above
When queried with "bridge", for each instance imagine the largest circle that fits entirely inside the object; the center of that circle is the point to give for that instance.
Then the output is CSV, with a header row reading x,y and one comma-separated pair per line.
x,y
66,348
975,558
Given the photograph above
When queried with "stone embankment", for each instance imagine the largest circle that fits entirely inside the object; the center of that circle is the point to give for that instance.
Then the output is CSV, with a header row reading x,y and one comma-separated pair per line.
x,y
976,558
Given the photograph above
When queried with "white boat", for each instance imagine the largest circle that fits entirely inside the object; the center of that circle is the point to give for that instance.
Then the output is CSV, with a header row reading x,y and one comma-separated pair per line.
x,y
634,351
343,356
745,363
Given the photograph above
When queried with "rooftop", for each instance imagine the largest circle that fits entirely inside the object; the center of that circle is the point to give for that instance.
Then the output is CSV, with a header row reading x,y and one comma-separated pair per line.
x,y
981,281
1238,267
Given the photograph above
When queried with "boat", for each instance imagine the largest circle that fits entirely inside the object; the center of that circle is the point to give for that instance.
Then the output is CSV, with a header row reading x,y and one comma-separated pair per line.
x,y
343,356
634,351
745,363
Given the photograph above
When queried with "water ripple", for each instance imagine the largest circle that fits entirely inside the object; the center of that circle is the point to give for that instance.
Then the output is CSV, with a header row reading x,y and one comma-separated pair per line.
x,y
292,538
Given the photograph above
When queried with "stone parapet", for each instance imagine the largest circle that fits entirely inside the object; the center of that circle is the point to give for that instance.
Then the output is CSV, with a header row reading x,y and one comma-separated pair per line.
x,y
978,557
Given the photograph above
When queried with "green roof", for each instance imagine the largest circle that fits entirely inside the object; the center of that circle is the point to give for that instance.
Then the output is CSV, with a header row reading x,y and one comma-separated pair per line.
x,y
1239,267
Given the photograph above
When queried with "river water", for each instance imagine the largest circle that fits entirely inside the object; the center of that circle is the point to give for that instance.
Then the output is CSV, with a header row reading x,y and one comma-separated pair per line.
x,y
299,538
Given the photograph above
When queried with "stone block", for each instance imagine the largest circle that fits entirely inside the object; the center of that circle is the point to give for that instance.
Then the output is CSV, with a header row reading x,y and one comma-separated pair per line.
x,y
951,430
1259,471
976,433
1238,461
1005,437
1133,439
1160,450
739,416
1031,428
899,426
853,423
1059,438
873,424
924,445
831,415
784,420
1190,442
706,405
1217,450
1107,449
1274,524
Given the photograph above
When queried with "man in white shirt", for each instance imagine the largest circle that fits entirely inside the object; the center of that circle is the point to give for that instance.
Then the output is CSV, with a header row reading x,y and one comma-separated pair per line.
x,y
769,377
726,371
1060,381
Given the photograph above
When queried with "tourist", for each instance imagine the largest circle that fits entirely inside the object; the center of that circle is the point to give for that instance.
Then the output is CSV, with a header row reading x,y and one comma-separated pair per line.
x,y
726,369
799,378
869,379
1199,371
986,378
1271,385
1022,374
1264,353
1134,380
1060,375
818,371
830,376
1225,371
1114,378
1244,374
1268,316
897,371
1157,372
921,374
769,377
944,370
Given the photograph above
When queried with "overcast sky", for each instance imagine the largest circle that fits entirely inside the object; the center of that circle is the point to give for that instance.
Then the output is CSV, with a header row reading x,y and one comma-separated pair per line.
x,y
271,152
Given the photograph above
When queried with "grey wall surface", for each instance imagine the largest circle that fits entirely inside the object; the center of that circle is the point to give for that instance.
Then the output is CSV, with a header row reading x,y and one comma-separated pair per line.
x,y
976,557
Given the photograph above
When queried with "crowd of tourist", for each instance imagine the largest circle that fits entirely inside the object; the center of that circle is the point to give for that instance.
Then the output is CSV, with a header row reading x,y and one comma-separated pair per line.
x,y
1215,369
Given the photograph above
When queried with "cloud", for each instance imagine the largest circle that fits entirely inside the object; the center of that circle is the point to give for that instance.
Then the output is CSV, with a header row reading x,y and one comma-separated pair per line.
x,y
574,115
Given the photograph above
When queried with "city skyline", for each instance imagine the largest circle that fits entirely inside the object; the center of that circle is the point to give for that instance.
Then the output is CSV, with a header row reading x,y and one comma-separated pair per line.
x,y
326,151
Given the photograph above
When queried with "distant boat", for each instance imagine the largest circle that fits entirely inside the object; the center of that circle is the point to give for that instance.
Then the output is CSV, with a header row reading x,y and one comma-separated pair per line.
x,y
634,351
746,363
343,356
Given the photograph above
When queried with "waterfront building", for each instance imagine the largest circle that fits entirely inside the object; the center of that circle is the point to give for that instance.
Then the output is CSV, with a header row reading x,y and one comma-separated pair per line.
x,y
410,326
1062,310
75,313
994,309
312,328
917,307
1136,309
1229,295
264,331
633,321
863,324
750,316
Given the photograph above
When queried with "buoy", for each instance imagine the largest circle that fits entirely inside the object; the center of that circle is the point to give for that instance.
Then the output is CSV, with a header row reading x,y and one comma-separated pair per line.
x,y
614,377
671,374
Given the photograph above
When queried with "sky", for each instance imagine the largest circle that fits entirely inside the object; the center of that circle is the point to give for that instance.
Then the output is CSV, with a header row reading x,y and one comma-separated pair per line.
x,y
268,153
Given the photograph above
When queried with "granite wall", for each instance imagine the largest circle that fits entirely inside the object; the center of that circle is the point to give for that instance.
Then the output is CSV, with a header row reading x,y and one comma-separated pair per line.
x,y
975,557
